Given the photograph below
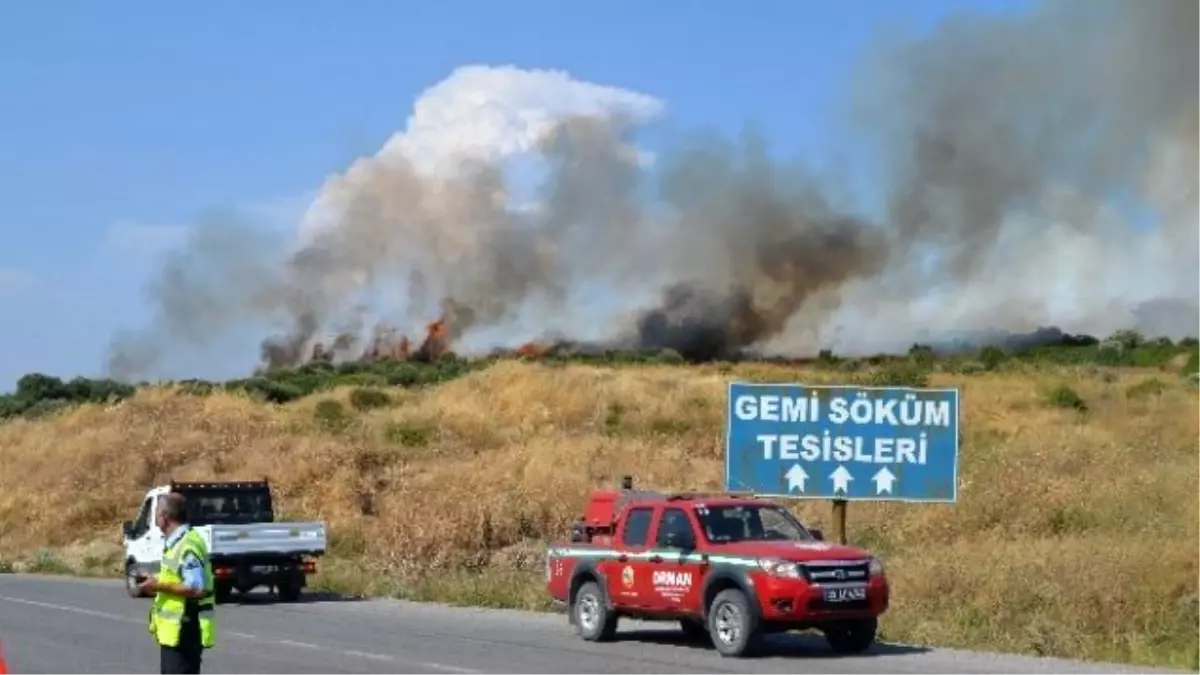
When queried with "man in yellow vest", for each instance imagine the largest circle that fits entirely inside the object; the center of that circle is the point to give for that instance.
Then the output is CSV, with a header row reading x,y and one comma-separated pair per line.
x,y
182,616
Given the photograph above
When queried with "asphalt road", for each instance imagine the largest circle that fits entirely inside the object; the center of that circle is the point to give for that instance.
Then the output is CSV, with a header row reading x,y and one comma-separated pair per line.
x,y
64,625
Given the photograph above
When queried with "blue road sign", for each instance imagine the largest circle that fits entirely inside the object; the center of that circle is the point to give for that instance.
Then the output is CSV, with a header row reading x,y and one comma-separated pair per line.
x,y
852,443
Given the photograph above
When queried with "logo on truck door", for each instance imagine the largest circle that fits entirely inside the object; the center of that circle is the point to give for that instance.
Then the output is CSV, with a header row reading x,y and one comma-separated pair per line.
x,y
672,585
673,579
627,576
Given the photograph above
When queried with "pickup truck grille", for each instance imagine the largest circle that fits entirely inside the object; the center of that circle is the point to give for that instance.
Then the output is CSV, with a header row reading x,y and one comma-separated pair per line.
x,y
836,571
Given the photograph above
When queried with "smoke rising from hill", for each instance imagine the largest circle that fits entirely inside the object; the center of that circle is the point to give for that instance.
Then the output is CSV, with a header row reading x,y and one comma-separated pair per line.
x,y
1002,141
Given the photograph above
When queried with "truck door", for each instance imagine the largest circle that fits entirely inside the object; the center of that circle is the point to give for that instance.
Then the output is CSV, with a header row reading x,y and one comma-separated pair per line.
x,y
678,572
628,574
146,541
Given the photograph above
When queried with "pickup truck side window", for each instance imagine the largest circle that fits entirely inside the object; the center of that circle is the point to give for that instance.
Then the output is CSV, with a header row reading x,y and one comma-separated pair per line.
x,y
637,527
675,530
142,524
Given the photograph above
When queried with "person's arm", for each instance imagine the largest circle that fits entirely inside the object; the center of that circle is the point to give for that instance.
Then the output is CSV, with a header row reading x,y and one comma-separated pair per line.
x,y
192,571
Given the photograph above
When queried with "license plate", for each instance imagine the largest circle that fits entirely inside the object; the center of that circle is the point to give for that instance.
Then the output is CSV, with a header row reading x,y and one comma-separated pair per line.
x,y
845,594
263,569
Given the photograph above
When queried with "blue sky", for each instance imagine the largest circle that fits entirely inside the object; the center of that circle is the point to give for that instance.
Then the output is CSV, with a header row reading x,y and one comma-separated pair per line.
x,y
125,122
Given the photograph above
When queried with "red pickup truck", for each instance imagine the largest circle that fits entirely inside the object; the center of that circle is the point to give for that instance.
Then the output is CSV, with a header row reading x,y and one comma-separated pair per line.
x,y
730,570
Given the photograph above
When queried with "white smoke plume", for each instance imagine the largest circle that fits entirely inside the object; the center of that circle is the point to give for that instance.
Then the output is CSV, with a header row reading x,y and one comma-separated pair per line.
x,y
1004,141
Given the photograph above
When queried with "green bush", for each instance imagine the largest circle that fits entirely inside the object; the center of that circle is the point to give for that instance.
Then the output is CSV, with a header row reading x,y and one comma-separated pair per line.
x,y
408,435
365,398
45,562
897,375
38,394
921,355
991,357
1150,387
1063,396
331,415
1193,364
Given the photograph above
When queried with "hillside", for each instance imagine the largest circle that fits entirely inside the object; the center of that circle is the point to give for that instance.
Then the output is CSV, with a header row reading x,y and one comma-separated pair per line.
x,y
1076,531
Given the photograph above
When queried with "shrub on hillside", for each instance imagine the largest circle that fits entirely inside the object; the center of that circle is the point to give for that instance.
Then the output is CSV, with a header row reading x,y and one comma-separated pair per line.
x,y
921,355
1150,387
991,357
897,375
366,398
1193,364
331,415
1063,396
38,394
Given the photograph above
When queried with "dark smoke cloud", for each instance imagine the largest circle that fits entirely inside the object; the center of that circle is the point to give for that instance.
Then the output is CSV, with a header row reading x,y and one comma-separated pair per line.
x,y
1002,141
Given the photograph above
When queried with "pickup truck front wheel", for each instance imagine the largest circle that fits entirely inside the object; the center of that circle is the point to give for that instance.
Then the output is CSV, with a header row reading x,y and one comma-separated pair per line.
x,y
131,581
593,619
852,637
733,625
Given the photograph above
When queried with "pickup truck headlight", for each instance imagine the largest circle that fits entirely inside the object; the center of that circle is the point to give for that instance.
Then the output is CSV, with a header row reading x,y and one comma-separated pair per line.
x,y
875,567
780,568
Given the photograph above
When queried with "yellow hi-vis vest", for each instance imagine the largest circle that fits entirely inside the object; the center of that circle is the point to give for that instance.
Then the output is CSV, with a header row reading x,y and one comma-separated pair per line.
x,y
166,613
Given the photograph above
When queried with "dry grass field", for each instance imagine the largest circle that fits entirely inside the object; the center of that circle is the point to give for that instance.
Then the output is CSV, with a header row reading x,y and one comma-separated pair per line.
x,y
1076,531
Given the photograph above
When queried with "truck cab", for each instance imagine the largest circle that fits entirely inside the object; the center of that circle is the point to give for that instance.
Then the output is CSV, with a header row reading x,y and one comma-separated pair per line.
x,y
728,569
247,547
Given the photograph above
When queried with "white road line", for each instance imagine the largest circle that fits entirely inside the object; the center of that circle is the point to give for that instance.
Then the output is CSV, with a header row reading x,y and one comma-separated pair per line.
x,y
303,645
448,669
245,636
368,655
75,610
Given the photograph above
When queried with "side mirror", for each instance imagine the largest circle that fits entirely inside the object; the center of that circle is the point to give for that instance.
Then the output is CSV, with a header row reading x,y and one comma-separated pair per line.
x,y
680,541
127,528
817,534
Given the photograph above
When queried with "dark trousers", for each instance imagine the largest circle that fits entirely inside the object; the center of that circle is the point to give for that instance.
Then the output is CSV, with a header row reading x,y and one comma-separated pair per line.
x,y
186,656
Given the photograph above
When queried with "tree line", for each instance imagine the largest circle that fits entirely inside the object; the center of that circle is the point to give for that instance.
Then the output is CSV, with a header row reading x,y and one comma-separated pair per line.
x,y
37,393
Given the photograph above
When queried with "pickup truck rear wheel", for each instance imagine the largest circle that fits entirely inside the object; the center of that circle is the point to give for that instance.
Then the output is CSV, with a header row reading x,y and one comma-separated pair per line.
x,y
733,625
289,590
852,637
593,619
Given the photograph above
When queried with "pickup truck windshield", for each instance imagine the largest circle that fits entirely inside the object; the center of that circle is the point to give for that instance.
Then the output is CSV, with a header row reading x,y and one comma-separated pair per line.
x,y
214,506
747,522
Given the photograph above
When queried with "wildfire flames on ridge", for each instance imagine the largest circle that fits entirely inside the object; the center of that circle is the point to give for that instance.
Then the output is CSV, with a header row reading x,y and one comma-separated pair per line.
x,y
388,345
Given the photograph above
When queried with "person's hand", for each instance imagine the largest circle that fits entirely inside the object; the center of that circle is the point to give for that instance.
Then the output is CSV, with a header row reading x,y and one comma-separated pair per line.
x,y
149,584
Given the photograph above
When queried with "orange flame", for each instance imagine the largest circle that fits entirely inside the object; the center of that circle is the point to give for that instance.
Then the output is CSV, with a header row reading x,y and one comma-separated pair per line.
x,y
436,341
532,349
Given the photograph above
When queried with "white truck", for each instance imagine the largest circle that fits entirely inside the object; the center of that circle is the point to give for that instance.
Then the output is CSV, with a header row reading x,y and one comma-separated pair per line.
x,y
247,547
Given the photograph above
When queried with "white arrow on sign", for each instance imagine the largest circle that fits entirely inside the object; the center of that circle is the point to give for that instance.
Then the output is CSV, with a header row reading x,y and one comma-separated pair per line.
x,y
883,480
841,479
796,477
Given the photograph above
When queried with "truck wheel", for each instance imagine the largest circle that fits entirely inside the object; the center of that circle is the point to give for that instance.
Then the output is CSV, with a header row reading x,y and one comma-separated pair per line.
x,y
223,590
131,581
289,590
733,625
694,630
852,637
593,620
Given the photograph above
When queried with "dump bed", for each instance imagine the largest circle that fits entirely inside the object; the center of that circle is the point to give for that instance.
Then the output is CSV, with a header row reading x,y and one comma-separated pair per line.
x,y
302,538
238,519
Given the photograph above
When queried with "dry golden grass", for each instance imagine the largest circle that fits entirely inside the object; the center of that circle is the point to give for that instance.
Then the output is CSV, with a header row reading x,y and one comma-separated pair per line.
x,y
1075,533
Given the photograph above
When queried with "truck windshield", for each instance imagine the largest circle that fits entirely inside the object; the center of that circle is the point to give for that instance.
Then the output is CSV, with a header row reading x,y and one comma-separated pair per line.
x,y
215,506
750,522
